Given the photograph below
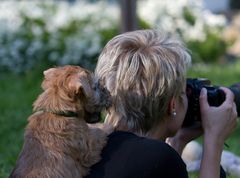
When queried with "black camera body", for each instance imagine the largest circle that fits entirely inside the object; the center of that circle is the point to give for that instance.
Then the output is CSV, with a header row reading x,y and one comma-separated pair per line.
x,y
215,98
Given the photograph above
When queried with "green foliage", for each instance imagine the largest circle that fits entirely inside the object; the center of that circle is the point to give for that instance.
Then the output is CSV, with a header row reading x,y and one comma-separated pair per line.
x,y
143,24
108,34
188,16
79,39
209,50
201,30
56,37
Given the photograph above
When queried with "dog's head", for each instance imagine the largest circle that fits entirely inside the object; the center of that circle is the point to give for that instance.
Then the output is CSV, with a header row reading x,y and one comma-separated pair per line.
x,y
77,90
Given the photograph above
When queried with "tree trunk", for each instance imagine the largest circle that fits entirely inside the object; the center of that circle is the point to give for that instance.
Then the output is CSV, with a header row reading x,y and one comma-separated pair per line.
x,y
128,15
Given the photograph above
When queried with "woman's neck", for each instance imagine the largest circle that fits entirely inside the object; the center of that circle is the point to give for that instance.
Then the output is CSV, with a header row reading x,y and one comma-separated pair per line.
x,y
158,132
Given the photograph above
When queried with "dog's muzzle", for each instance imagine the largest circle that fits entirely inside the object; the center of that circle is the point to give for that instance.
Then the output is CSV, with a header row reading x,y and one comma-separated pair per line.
x,y
92,117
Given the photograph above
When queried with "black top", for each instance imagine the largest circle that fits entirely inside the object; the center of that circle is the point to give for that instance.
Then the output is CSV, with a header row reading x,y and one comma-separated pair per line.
x,y
129,156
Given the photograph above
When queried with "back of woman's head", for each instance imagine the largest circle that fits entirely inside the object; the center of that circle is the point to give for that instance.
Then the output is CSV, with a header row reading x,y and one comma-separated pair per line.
x,y
142,70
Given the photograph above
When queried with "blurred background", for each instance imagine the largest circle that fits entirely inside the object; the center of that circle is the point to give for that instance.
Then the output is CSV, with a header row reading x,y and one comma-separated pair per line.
x,y
36,35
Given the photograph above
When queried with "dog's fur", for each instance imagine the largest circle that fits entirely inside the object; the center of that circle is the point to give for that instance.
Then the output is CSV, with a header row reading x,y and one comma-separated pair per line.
x,y
58,144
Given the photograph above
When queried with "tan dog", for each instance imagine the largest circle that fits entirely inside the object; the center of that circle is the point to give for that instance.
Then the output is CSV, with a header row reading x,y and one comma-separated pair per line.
x,y
58,142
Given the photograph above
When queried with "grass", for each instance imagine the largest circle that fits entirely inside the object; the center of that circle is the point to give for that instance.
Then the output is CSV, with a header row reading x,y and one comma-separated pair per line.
x,y
17,93
220,75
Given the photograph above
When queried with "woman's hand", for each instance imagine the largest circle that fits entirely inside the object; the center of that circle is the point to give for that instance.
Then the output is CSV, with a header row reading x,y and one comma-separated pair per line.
x,y
218,122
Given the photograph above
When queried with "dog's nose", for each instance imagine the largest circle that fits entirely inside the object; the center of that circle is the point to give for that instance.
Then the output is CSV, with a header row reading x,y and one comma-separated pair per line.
x,y
92,117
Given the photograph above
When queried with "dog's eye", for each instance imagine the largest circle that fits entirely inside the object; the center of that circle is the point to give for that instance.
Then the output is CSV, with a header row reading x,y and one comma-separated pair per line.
x,y
96,86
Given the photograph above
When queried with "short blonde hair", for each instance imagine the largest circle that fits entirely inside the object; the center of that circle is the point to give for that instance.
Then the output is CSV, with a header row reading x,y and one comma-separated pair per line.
x,y
142,70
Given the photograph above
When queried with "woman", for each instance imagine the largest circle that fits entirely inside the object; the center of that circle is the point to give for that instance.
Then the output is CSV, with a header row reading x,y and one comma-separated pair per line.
x,y
145,73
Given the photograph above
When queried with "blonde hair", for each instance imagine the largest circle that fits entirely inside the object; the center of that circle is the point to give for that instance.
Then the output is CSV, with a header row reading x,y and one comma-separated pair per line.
x,y
142,70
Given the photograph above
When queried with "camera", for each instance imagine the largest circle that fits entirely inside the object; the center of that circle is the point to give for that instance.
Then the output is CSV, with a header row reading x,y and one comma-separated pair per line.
x,y
215,98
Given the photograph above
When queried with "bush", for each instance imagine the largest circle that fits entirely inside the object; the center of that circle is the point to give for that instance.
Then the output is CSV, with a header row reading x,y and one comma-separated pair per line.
x,y
209,50
198,28
57,33
60,33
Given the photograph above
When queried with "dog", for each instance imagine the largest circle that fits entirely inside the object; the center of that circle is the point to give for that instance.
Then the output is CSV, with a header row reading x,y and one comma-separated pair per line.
x,y
58,143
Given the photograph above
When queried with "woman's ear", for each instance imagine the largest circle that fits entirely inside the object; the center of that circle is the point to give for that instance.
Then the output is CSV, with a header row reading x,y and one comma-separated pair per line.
x,y
172,107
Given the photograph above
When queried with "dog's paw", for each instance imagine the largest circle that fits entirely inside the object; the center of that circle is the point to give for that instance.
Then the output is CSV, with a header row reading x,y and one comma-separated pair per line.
x,y
106,128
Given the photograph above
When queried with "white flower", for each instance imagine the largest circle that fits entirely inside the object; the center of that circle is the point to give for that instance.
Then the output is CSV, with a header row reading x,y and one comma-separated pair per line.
x,y
169,16
20,48
214,20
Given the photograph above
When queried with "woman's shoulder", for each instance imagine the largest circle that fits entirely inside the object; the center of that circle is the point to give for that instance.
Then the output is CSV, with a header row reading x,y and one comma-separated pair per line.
x,y
146,153
129,155
141,145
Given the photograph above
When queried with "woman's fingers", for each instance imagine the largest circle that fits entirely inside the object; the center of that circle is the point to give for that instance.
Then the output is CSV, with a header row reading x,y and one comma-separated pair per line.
x,y
229,96
203,99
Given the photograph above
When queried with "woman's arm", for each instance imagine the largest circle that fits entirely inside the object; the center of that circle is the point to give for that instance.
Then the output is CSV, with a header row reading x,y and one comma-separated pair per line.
x,y
218,123
184,136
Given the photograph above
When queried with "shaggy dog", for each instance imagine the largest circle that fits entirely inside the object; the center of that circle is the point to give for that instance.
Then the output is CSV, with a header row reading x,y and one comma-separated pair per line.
x,y
58,142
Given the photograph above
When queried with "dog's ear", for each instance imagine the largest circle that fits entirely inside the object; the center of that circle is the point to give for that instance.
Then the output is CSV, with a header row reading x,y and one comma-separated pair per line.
x,y
81,85
49,72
